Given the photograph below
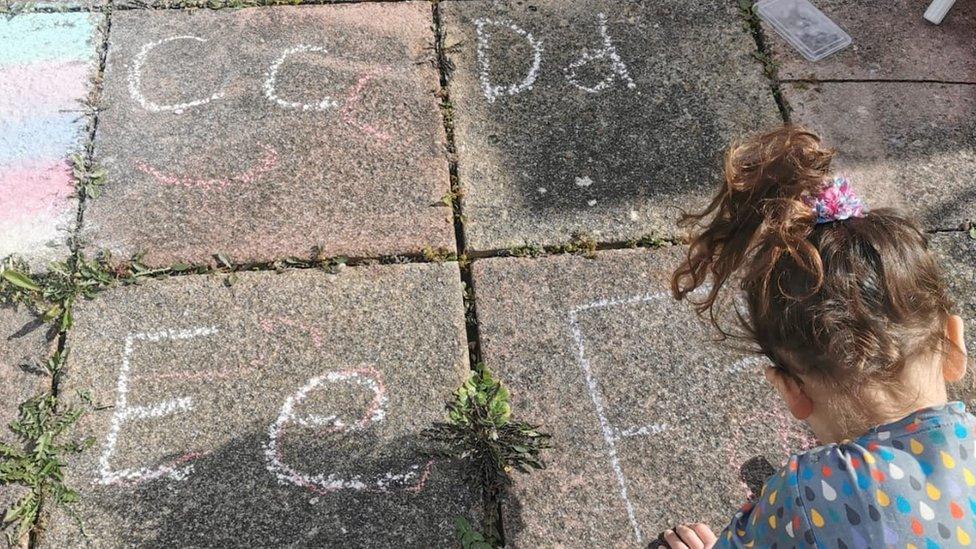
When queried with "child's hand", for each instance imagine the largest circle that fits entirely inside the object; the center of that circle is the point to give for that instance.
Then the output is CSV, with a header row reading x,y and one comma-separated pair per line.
x,y
694,536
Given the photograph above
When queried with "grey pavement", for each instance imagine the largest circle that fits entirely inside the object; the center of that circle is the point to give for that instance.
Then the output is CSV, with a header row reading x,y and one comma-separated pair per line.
x,y
891,41
252,415
907,145
652,421
271,132
593,117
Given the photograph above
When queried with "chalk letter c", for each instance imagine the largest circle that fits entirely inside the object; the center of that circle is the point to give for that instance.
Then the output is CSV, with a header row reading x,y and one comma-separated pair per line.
x,y
135,80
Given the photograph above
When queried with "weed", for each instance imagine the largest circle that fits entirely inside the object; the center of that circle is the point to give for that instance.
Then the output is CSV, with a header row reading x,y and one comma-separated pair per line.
x,y
438,255
581,244
15,8
471,538
526,250
652,240
89,180
481,434
16,284
972,232
335,264
37,460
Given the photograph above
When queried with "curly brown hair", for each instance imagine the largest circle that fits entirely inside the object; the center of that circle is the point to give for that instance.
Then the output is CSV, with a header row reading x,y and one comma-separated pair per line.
x,y
845,301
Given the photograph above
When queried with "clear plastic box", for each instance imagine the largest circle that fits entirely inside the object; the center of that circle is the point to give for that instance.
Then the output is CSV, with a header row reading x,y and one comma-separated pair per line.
x,y
811,32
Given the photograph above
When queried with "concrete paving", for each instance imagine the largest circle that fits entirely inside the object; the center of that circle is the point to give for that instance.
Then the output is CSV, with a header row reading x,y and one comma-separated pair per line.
x,y
271,132
46,62
890,41
906,145
651,420
252,415
593,116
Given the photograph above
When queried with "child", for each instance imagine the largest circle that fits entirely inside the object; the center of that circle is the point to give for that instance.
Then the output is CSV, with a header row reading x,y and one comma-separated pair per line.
x,y
850,307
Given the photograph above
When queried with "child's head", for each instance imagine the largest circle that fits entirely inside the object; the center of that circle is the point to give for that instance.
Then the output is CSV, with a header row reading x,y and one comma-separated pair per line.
x,y
854,313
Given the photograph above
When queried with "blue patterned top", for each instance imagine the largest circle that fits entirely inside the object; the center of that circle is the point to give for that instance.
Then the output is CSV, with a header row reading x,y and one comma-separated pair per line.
x,y
909,484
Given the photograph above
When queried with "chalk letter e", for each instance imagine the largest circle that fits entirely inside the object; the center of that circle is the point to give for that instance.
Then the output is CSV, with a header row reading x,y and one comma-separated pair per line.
x,y
124,412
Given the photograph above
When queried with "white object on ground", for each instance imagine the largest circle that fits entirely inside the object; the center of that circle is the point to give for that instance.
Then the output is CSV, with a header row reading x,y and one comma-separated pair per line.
x,y
938,10
804,26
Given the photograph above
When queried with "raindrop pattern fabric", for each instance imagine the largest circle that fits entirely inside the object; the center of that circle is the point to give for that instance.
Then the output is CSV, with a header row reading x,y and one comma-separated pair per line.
x,y
910,484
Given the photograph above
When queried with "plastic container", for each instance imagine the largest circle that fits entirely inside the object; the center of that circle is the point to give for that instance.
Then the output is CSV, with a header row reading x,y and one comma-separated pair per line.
x,y
804,26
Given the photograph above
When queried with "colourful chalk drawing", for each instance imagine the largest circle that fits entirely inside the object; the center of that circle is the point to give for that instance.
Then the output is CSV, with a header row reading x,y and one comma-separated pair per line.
x,y
352,100
788,435
45,64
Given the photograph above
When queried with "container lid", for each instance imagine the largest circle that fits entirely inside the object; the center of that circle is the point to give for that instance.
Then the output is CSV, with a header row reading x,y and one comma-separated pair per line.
x,y
804,26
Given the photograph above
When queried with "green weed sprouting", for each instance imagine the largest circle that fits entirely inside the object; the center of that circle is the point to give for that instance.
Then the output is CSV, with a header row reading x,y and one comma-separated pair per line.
x,y
481,434
471,538
89,180
37,460
526,250
580,244
52,294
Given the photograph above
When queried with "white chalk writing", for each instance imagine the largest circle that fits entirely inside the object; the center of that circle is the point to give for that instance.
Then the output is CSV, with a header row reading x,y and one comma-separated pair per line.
x,y
125,412
412,479
608,50
135,80
270,83
493,91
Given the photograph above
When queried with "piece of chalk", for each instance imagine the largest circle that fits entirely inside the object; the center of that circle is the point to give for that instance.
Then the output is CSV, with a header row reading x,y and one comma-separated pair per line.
x,y
938,10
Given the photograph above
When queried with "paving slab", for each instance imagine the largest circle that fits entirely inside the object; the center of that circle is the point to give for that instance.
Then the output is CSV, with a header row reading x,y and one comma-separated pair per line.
x,y
46,61
906,145
651,420
594,116
284,410
269,132
23,349
891,40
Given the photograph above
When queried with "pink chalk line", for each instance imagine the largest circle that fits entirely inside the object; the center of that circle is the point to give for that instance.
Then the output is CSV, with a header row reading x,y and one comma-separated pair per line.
x,y
225,373
264,165
352,99
268,325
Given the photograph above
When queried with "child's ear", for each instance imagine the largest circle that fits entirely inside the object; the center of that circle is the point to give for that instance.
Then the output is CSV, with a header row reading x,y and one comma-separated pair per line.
x,y
790,389
954,360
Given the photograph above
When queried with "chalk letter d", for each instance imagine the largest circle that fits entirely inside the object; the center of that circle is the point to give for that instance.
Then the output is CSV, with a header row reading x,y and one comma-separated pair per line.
x,y
492,91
